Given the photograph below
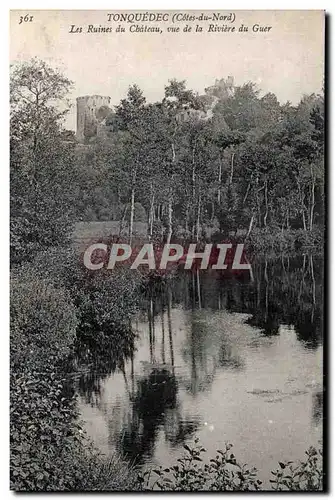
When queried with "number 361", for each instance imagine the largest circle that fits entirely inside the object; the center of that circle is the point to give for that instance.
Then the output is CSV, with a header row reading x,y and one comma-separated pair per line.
x,y
26,19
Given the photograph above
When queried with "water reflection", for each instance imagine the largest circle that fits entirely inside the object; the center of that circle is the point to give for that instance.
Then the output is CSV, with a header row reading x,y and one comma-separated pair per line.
x,y
155,397
317,407
225,359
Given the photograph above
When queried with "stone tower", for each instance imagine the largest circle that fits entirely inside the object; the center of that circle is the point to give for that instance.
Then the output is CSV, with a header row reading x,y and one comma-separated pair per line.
x,y
89,110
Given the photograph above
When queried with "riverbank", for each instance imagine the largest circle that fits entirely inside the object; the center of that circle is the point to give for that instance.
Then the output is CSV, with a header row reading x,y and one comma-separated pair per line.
x,y
53,314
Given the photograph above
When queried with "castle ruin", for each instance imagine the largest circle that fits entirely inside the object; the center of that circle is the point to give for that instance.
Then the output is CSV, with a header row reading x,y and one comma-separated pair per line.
x,y
95,117
92,112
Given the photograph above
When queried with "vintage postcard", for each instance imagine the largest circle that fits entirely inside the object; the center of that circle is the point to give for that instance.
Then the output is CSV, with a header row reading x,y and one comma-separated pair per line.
x,y
167,250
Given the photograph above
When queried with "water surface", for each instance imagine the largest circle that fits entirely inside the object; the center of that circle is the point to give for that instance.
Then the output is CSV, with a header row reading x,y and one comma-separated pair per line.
x,y
222,360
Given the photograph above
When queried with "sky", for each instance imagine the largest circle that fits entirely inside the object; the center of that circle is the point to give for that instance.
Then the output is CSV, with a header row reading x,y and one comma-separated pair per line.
x,y
287,60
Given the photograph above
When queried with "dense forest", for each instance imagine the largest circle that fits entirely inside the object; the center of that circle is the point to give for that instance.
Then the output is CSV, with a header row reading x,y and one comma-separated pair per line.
x,y
230,162
243,162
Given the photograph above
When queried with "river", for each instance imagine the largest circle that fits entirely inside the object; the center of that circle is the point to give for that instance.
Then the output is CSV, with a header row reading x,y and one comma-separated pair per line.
x,y
224,360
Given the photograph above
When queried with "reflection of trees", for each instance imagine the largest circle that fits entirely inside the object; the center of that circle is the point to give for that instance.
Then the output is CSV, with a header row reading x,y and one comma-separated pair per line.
x,y
202,368
152,311
178,428
204,350
154,407
317,407
170,328
284,291
155,394
99,355
152,402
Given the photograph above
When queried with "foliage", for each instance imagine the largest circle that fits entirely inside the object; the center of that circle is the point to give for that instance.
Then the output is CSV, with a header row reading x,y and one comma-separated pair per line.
x,y
192,473
267,240
235,156
49,450
43,431
43,322
40,161
229,160
225,473
304,476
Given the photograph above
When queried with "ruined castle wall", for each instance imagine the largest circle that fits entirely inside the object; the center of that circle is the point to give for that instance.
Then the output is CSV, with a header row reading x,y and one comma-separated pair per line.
x,y
86,115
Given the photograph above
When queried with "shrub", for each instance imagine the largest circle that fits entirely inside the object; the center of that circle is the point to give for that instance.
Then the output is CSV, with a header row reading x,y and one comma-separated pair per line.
x,y
181,234
106,301
42,430
192,473
225,473
305,476
49,450
43,322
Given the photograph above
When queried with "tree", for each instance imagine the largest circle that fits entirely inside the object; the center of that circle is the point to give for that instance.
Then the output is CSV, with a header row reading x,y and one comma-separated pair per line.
x,y
129,119
40,160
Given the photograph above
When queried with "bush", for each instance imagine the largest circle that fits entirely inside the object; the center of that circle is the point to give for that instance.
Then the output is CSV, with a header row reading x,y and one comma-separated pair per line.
x,y
49,450
222,473
307,240
225,473
305,476
106,300
43,323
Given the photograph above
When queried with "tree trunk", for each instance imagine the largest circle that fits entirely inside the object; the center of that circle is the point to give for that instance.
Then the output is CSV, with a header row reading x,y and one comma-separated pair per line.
x,y
122,219
259,215
220,179
304,220
231,168
170,213
266,201
198,218
302,204
250,226
246,194
151,213
312,204
193,174
170,204
212,211
132,211
186,216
